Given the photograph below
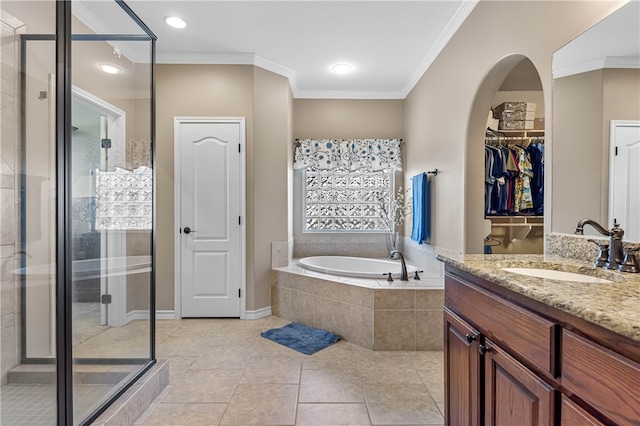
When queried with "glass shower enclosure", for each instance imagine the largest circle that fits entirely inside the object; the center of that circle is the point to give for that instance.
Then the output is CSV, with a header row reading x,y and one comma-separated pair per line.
x,y
77,197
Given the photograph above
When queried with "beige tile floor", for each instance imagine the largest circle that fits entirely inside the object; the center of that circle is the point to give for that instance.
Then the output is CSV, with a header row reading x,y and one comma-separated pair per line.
x,y
223,372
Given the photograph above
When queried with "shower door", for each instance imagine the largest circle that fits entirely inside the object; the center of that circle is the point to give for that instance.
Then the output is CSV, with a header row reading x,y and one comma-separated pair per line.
x,y
76,228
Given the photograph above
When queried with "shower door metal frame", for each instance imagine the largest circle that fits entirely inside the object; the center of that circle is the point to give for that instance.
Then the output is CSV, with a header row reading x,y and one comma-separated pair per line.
x,y
64,326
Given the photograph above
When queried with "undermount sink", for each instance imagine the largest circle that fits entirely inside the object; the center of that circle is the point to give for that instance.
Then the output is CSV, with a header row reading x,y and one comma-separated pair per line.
x,y
556,275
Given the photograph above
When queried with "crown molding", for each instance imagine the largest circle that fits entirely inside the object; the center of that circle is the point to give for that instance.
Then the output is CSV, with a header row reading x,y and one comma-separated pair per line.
x,y
597,64
347,94
450,29
206,58
97,25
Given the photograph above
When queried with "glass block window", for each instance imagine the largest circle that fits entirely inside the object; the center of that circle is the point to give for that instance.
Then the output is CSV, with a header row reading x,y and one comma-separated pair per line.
x,y
124,199
342,200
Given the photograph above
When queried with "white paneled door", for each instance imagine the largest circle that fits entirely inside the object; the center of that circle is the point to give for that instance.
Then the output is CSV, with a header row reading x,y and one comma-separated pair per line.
x,y
210,196
625,177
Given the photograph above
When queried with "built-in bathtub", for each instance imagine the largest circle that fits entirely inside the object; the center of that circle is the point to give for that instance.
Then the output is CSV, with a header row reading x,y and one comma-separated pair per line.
x,y
347,266
370,312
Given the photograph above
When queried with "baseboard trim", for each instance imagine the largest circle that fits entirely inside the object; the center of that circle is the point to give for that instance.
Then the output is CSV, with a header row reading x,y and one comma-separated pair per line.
x,y
257,314
141,314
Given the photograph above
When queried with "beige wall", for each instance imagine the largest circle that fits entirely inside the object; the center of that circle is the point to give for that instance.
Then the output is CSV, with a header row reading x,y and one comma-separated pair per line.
x,y
265,100
347,118
583,106
445,113
272,151
191,90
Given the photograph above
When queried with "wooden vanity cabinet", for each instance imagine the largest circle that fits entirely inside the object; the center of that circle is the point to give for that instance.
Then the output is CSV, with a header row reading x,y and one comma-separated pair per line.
x,y
462,370
509,362
485,385
513,395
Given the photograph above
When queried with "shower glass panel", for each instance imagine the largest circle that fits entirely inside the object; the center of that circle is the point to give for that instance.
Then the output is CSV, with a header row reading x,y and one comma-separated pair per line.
x,y
111,195
28,199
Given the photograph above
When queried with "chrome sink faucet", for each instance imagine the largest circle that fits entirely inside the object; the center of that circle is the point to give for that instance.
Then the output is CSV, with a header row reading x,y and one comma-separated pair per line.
x,y
615,244
403,276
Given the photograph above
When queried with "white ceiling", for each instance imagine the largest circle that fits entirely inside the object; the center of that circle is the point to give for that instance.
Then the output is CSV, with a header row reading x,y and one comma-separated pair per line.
x,y
390,44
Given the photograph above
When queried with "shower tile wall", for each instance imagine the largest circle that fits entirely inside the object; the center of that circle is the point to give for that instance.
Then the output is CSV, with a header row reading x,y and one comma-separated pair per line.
x,y
10,295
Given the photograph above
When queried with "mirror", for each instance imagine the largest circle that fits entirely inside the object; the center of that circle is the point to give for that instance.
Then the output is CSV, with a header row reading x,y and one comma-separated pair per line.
x,y
596,81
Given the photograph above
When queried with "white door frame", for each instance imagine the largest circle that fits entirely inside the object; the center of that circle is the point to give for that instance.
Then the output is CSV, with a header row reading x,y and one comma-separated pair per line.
x,y
114,243
613,125
177,196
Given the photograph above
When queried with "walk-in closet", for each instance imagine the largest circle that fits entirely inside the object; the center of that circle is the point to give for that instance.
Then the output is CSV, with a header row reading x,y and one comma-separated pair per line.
x,y
514,165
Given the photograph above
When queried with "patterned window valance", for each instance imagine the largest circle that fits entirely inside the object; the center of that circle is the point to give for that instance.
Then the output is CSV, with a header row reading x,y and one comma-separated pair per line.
x,y
349,154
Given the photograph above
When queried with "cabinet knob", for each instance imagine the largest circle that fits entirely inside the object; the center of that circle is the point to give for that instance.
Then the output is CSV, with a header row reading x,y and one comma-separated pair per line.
x,y
483,349
470,338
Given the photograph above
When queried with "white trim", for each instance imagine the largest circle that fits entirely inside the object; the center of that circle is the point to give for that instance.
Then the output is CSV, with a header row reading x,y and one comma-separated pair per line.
x,y
597,64
258,313
206,58
177,286
613,125
447,33
347,94
97,25
113,314
142,314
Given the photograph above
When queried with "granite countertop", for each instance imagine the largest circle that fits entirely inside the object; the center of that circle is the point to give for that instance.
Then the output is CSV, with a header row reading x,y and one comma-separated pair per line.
x,y
614,306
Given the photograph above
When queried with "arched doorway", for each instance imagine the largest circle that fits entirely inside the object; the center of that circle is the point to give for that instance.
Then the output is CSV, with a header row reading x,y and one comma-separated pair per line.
x,y
513,78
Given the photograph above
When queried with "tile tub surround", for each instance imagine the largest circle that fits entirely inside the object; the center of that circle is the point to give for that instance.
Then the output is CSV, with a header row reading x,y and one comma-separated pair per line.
x,y
612,306
374,314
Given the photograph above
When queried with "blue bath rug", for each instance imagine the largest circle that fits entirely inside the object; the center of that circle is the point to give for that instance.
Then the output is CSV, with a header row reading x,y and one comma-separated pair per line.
x,y
301,338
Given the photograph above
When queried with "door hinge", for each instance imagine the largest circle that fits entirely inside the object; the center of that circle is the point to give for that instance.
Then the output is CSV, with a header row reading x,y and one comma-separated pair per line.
x,y
105,299
105,143
239,292
239,220
239,148
616,151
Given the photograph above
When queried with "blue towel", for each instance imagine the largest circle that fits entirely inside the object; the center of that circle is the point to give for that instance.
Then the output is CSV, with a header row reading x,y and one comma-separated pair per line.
x,y
301,338
421,217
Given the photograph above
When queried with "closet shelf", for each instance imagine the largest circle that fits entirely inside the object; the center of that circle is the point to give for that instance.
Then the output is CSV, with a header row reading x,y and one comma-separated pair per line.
x,y
516,227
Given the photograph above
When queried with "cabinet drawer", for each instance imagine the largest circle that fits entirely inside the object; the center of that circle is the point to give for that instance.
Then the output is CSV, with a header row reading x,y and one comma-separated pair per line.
x,y
527,334
602,378
572,414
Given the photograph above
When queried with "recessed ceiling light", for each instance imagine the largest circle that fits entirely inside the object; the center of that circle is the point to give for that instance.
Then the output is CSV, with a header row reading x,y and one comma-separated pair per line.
x,y
175,22
341,68
110,69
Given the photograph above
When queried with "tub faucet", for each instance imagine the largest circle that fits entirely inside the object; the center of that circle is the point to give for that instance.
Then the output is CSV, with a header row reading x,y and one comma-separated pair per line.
x,y
403,276
615,244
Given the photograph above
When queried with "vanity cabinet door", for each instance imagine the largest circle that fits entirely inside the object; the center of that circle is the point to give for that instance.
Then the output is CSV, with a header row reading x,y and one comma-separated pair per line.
x,y
462,371
513,394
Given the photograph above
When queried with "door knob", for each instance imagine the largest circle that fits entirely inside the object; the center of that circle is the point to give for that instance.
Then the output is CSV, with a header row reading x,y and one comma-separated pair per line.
x,y
187,230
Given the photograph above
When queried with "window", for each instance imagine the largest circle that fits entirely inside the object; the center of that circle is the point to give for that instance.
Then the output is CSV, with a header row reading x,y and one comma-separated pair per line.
x,y
347,183
343,200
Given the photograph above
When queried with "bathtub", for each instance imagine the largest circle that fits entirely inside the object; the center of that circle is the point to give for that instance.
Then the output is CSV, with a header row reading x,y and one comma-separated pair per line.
x,y
354,266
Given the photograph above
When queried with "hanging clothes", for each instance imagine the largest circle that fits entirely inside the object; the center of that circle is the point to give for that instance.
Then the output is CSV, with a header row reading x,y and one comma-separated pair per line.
x,y
536,153
514,178
522,192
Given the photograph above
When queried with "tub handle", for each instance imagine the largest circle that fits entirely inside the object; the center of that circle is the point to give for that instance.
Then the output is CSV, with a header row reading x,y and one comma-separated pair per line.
x,y
389,277
416,276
